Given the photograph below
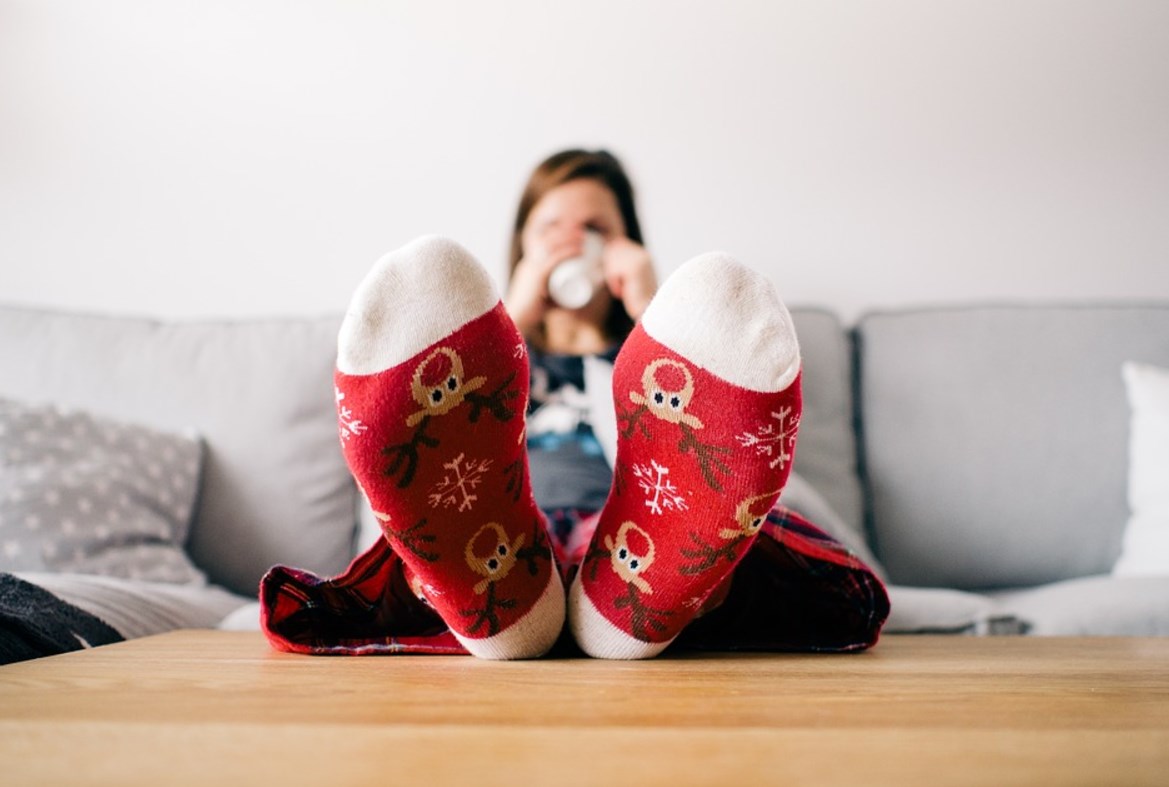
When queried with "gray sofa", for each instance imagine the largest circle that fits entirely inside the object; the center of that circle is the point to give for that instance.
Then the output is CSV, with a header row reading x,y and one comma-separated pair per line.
x,y
975,456
984,456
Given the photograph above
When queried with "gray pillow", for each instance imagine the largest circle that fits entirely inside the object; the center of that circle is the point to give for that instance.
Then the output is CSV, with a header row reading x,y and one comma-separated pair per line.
x,y
88,495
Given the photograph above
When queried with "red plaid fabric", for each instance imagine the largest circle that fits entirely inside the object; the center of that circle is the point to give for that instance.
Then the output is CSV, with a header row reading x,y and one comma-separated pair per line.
x,y
797,589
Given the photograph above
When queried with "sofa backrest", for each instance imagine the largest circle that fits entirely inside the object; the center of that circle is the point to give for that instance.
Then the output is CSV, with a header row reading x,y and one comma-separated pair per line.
x,y
995,438
260,393
826,450
275,488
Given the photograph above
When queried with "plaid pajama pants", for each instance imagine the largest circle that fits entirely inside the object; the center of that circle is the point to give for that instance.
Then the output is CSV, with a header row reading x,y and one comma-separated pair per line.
x,y
796,589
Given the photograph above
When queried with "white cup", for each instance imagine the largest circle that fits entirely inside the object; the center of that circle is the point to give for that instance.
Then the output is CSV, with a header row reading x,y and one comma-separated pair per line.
x,y
575,281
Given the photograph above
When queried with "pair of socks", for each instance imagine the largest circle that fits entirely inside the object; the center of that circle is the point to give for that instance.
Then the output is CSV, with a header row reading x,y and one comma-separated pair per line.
x,y
432,387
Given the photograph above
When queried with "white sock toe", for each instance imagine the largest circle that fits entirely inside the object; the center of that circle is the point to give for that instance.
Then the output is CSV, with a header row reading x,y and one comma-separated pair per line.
x,y
599,638
410,299
717,313
529,637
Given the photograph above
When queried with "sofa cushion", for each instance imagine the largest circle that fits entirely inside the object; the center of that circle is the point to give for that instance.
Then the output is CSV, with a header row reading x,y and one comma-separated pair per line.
x,y
140,609
995,439
275,488
95,496
826,454
1092,606
943,611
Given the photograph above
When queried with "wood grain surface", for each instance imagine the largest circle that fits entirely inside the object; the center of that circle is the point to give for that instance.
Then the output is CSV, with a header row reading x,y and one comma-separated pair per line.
x,y
208,708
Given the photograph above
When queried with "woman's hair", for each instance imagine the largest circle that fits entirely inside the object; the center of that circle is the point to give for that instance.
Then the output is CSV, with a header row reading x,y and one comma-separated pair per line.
x,y
560,168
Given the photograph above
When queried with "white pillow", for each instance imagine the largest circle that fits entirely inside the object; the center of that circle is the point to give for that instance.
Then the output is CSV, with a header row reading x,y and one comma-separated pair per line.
x,y
1146,538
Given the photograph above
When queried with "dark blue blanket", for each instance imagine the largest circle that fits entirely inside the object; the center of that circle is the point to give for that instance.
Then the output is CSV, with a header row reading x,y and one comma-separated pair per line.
x,y
35,623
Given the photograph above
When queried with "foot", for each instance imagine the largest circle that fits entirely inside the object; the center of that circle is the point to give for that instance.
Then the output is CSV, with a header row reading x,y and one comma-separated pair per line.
x,y
707,391
431,386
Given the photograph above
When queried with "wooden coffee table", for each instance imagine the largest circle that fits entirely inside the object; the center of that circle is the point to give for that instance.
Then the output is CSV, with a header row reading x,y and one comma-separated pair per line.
x,y
218,708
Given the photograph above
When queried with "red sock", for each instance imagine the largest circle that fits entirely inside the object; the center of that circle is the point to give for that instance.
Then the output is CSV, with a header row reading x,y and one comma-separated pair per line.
x,y
707,394
432,383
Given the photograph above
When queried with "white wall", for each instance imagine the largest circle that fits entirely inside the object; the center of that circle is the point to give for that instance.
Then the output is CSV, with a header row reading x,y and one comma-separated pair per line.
x,y
191,158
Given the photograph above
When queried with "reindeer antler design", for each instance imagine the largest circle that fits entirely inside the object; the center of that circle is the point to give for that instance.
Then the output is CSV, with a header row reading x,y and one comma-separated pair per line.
x,y
405,455
707,455
642,617
749,518
494,402
412,538
707,555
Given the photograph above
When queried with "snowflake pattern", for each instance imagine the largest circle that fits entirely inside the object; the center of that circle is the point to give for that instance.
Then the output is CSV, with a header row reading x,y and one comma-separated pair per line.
x,y
661,494
456,487
350,426
775,440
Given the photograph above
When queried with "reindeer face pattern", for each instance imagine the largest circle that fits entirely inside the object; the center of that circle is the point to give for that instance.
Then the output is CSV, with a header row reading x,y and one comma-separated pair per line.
x,y
490,555
667,388
750,515
438,384
631,554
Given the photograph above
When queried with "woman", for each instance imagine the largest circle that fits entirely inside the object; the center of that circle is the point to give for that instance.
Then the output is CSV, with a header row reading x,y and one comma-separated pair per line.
x,y
568,196
432,365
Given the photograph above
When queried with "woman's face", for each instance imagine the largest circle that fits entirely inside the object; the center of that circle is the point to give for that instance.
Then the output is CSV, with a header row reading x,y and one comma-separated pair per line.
x,y
566,212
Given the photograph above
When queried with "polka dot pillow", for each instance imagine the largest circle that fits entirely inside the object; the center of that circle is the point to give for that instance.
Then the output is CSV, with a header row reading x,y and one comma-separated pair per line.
x,y
82,494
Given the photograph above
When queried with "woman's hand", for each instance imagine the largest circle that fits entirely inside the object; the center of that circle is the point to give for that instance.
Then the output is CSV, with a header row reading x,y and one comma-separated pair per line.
x,y
629,274
628,270
527,296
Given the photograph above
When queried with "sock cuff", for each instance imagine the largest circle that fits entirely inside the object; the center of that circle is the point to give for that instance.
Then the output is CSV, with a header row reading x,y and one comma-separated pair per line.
x,y
729,320
411,299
